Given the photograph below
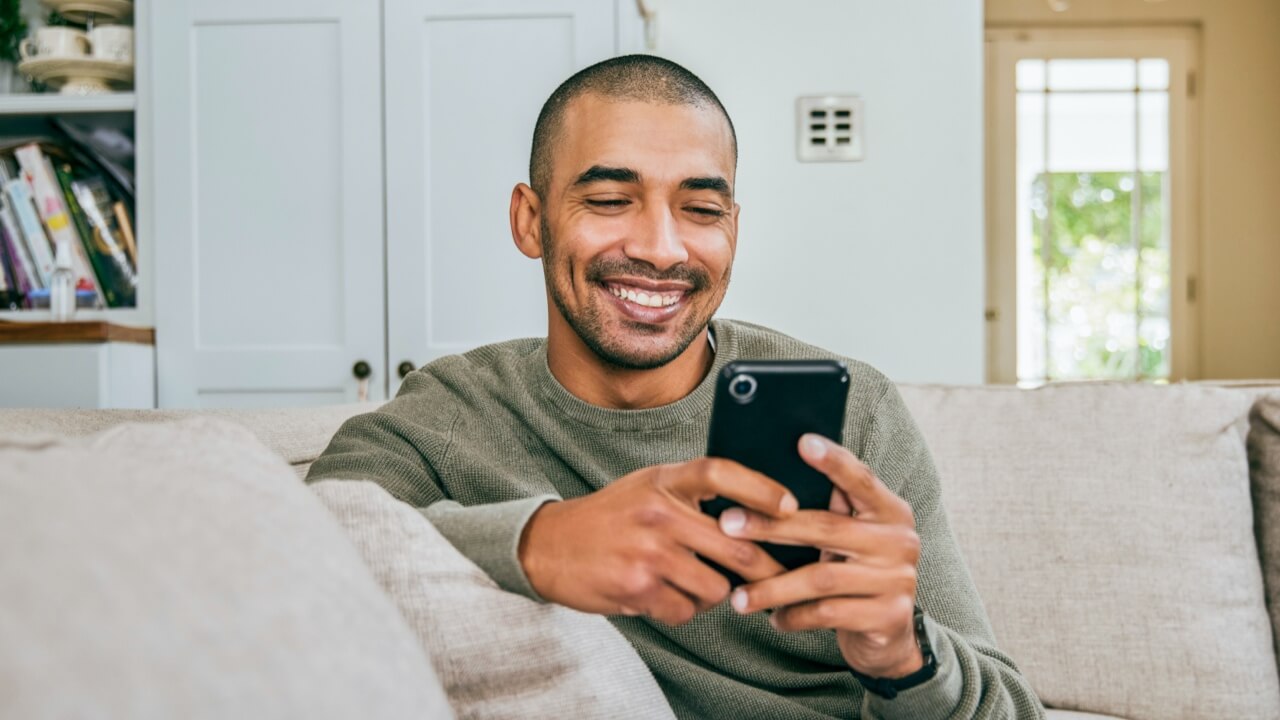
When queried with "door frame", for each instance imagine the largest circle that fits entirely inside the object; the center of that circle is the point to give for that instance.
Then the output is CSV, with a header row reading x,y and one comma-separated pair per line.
x,y
1005,46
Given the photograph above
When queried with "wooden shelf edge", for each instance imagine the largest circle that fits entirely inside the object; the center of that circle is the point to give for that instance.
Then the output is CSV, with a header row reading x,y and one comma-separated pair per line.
x,y
83,332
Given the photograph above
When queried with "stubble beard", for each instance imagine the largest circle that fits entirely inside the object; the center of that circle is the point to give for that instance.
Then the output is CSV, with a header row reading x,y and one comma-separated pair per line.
x,y
589,325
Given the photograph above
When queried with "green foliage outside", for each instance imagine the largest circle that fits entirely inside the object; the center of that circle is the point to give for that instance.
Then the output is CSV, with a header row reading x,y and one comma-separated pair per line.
x,y
1093,275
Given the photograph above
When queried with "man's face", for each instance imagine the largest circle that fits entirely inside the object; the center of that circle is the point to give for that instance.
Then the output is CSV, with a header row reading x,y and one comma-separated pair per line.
x,y
639,226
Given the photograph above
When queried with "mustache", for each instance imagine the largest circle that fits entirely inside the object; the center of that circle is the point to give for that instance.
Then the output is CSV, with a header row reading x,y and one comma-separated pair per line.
x,y
600,268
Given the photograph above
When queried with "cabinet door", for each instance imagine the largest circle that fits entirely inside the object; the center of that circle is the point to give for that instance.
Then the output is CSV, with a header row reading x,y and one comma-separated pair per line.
x,y
464,84
269,217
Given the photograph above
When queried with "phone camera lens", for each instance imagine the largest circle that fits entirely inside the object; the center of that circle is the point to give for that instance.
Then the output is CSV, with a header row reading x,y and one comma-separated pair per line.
x,y
742,388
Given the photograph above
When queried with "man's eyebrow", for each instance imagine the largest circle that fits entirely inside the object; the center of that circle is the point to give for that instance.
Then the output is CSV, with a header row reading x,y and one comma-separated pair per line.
x,y
600,173
715,184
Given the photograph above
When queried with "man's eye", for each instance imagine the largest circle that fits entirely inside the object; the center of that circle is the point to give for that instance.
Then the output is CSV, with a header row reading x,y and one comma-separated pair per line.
x,y
707,212
608,203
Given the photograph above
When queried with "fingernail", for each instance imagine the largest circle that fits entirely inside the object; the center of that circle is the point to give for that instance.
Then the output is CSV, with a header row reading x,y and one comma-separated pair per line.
x,y
733,520
629,612
789,504
739,600
815,446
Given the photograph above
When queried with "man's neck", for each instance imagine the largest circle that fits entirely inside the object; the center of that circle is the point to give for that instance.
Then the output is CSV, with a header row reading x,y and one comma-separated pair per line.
x,y
576,367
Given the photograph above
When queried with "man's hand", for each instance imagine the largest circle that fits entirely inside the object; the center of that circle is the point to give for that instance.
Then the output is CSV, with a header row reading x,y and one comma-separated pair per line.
x,y
863,586
629,548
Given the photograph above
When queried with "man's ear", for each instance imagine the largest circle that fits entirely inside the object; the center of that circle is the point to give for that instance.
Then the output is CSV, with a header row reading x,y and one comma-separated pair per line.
x,y
526,217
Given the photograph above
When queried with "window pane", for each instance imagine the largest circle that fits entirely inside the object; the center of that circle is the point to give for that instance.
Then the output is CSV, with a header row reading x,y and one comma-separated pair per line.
x,y
1091,276
1153,333
1153,74
1153,115
1092,74
1091,132
1030,74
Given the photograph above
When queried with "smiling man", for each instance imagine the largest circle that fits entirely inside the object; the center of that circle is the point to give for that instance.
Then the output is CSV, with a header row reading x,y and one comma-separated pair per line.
x,y
570,468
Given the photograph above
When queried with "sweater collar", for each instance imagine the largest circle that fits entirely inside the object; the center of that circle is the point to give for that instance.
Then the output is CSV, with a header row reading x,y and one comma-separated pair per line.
x,y
696,404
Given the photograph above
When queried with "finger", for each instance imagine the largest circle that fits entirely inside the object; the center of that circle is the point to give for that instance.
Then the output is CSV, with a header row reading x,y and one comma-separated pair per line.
x,y
851,537
706,587
858,615
870,497
666,604
822,580
700,534
708,478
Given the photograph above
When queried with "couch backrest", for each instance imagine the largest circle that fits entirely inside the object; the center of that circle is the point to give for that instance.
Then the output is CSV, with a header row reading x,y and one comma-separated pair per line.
x,y
1110,531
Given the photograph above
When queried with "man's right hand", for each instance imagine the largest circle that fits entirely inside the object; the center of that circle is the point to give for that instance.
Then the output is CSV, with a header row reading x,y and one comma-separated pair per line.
x,y
630,548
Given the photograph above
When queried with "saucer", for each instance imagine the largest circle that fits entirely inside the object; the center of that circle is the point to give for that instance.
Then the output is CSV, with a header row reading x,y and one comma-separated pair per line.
x,y
78,11
78,75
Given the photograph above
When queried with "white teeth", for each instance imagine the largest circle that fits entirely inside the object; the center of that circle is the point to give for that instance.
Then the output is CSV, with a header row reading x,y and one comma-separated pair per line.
x,y
655,300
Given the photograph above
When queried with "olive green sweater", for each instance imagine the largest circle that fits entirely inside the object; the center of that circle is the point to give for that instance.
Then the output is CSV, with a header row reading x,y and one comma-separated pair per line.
x,y
479,441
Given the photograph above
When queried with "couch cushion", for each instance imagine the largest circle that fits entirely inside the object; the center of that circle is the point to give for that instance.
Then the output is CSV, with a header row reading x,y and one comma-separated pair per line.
x,y
1264,467
1110,532
182,571
499,655
298,435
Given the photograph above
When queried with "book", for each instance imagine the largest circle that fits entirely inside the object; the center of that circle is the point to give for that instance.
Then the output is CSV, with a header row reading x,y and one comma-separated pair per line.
x,y
23,267
111,268
38,173
100,207
33,235
126,230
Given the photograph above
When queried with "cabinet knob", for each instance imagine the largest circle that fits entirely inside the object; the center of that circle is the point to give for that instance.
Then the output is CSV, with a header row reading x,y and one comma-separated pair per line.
x,y
405,368
361,370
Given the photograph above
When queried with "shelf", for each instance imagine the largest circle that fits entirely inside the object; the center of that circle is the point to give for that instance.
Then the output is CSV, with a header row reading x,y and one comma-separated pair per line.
x,y
56,104
43,333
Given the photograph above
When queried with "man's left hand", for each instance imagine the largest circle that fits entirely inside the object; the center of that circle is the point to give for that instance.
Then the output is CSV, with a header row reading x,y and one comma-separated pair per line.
x,y
864,585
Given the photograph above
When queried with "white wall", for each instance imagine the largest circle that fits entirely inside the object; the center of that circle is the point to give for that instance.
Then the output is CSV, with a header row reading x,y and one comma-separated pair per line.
x,y
882,259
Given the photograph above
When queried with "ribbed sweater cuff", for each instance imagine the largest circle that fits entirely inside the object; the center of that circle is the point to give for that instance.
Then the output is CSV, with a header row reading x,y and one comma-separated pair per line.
x,y
936,699
489,536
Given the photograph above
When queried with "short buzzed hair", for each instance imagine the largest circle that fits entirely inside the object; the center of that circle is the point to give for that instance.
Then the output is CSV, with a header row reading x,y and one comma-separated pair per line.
x,y
645,78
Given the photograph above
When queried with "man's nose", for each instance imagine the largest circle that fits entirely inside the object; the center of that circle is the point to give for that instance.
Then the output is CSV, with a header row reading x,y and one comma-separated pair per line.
x,y
656,240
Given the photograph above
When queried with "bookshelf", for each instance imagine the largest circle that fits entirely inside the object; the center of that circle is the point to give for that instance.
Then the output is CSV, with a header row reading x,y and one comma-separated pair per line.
x,y
51,104
27,115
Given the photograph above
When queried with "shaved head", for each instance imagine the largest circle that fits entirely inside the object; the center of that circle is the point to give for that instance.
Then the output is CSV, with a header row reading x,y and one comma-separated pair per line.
x,y
636,78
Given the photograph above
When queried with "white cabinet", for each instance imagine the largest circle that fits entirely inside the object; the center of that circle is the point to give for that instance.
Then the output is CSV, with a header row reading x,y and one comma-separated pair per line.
x,y
464,83
278,125
268,164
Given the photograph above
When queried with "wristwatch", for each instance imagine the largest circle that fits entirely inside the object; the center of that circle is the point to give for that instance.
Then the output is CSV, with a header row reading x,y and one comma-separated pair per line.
x,y
888,688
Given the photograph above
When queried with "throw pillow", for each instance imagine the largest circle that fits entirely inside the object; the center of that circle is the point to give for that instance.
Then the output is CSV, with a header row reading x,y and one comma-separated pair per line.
x,y
1264,466
182,571
499,655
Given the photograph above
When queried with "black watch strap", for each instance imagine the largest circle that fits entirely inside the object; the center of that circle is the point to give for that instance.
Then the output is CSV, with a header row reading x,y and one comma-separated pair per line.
x,y
888,688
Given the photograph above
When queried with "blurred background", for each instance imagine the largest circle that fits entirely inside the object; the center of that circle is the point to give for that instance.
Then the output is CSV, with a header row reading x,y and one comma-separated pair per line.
x,y
294,202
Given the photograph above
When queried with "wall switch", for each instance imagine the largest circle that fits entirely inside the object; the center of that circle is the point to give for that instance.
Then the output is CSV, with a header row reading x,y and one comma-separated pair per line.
x,y
829,128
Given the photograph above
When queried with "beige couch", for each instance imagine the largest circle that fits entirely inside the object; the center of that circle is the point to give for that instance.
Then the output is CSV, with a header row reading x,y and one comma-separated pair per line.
x,y
1126,541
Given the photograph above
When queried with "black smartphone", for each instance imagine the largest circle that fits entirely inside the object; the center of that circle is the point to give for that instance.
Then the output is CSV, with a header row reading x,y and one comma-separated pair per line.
x,y
761,410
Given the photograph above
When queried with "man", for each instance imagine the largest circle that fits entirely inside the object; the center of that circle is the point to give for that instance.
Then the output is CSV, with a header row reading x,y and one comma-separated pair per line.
x,y
570,469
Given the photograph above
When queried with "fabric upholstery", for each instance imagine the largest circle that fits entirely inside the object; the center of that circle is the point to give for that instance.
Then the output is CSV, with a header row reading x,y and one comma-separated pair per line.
x,y
499,655
298,435
181,571
1264,465
1109,530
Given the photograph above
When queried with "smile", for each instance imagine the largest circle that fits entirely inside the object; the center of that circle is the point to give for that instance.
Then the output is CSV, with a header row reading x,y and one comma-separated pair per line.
x,y
647,298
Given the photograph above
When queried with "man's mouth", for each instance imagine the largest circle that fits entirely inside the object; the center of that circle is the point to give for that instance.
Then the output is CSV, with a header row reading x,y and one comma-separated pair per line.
x,y
648,297
651,302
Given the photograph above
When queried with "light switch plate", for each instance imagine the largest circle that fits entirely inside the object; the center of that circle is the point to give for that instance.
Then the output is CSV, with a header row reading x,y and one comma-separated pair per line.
x,y
829,128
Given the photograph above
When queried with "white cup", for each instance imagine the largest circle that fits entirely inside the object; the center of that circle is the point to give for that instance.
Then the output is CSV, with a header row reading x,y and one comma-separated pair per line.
x,y
112,42
51,42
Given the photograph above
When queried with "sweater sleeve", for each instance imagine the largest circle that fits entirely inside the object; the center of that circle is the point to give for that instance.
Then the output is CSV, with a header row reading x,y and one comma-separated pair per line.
x,y
975,681
395,447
